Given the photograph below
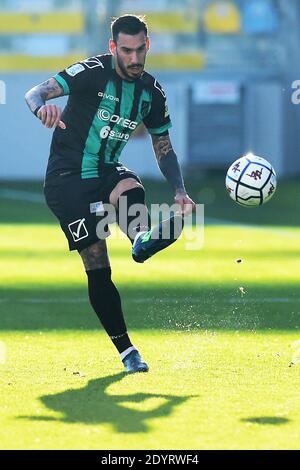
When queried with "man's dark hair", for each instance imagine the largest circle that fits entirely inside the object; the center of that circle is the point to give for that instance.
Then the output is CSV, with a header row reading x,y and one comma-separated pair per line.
x,y
128,24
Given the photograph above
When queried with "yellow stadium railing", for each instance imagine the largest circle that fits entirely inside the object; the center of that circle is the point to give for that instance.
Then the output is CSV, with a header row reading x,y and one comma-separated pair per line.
x,y
19,62
168,22
25,23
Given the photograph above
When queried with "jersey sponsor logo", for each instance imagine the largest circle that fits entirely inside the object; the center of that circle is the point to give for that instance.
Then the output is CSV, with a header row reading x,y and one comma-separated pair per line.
x,y
108,132
104,115
92,62
78,230
166,111
108,97
158,87
74,69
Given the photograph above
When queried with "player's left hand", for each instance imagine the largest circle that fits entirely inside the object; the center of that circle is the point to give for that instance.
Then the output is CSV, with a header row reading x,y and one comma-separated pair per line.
x,y
186,203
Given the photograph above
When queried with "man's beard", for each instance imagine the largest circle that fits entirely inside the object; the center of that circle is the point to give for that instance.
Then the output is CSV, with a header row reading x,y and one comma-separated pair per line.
x,y
124,70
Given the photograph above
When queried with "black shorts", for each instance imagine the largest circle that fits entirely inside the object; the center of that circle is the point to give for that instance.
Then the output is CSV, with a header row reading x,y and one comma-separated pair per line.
x,y
78,203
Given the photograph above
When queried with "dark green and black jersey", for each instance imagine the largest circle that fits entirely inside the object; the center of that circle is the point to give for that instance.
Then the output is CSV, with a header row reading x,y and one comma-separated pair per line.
x,y
102,112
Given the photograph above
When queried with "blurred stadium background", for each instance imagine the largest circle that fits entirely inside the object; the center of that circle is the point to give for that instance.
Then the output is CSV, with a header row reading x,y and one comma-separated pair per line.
x,y
227,66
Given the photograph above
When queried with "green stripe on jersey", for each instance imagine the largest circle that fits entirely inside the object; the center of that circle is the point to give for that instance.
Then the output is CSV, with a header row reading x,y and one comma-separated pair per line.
x,y
125,110
144,99
90,160
63,83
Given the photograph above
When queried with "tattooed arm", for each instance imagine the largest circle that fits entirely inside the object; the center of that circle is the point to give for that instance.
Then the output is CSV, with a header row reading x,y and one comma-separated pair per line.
x,y
170,168
36,100
167,161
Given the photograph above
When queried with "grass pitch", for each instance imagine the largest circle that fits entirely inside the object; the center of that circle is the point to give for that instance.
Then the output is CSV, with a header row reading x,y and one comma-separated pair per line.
x,y
221,338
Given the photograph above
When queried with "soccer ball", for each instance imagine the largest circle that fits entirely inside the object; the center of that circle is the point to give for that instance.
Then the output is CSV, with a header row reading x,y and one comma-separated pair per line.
x,y
251,181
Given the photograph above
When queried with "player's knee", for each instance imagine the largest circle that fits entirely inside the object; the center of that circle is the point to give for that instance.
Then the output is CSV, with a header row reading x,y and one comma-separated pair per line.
x,y
95,256
122,187
129,184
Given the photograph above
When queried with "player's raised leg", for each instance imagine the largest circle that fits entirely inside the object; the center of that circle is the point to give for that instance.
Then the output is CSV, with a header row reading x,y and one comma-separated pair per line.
x,y
106,302
128,197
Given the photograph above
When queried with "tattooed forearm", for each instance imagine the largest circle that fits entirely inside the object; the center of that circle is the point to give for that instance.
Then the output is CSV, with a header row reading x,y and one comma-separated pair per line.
x,y
38,95
167,161
161,146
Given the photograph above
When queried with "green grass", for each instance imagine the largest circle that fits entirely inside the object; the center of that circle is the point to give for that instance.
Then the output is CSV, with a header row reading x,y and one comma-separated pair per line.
x,y
224,366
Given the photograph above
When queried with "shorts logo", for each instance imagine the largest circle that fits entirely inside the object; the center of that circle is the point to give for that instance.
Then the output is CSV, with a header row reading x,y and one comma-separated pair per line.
x,y
97,208
78,230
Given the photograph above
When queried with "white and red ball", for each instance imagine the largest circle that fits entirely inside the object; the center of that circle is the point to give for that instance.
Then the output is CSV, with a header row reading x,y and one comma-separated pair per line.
x,y
251,181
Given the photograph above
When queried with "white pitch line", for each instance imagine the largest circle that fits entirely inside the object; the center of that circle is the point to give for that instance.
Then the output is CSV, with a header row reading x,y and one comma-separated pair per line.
x,y
19,195
201,300
141,300
216,221
54,301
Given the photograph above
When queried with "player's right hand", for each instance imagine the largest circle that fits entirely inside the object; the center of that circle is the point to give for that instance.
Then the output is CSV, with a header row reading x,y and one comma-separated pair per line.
x,y
50,115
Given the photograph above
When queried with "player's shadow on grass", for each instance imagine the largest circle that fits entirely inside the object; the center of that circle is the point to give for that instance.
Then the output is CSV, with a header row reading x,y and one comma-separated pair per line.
x,y
93,405
275,420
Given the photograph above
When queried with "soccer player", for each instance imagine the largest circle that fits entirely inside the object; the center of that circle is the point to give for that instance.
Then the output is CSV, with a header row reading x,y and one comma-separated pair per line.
x,y
109,96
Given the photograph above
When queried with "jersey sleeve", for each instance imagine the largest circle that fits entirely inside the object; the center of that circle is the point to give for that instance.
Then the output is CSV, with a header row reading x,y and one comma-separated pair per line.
x,y
158,119
80,77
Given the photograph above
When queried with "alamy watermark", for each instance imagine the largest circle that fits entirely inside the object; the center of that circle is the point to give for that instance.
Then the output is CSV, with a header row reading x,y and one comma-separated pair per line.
x,y
166,222
296,94
2,92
